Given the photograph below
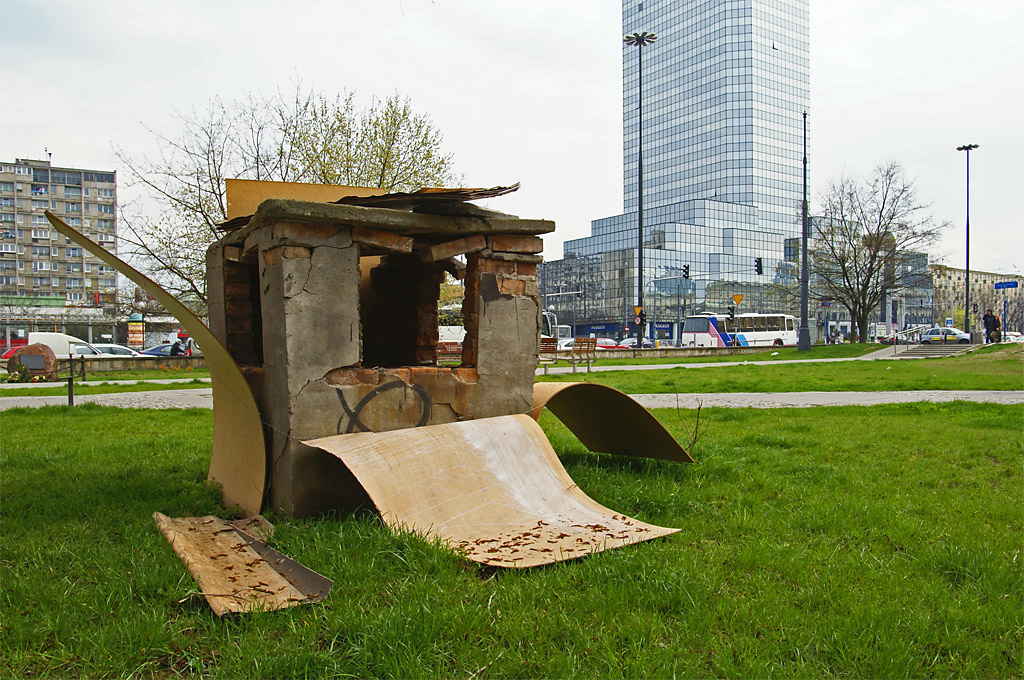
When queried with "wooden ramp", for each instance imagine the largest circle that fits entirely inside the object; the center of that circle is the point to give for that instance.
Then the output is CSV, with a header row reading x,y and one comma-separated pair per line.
x,y
491,488
607,421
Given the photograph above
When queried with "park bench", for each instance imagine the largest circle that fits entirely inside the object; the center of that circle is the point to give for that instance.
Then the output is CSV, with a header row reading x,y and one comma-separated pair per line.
x,y
584,351
548,354
449,352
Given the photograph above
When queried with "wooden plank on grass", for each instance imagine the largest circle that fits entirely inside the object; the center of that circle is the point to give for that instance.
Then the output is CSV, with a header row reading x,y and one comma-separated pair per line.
x,y
230,574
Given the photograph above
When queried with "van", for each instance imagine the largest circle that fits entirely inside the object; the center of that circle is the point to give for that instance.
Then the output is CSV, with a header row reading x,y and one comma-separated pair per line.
x,y
64,345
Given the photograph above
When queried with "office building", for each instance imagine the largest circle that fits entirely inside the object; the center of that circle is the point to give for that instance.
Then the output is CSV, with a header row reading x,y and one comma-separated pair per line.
x,y
725,87
39,266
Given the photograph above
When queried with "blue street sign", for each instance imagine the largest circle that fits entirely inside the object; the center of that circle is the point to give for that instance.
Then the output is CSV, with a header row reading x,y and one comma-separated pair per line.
x,y
1006,284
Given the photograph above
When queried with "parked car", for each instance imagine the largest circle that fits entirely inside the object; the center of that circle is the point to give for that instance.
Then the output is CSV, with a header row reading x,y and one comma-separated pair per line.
x,y
606,343
116,350
565,343
163,350
939,336
630,343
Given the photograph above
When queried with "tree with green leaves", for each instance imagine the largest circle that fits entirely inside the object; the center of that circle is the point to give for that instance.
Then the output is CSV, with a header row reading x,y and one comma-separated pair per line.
x,y
870,241
307,137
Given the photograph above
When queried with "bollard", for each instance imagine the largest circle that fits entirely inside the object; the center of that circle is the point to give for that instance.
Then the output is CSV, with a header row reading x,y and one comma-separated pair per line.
x,y
71,381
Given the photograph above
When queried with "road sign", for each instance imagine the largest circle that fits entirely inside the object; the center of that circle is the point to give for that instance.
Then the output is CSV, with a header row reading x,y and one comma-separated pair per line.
x,y
737,298
1006,284
637,310
637,321
826,303
949,322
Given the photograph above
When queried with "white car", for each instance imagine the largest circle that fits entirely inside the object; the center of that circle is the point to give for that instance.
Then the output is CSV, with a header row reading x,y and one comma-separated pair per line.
x,y
116,350
947,336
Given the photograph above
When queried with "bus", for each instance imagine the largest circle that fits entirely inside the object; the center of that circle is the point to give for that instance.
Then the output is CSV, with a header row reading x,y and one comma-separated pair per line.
x,y
746,330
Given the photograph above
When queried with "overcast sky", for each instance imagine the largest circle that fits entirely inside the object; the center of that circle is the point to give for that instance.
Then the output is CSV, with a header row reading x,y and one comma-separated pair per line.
x,y
530,90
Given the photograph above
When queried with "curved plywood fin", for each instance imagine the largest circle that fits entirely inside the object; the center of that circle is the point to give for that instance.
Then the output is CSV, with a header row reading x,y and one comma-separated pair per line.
x,y
491,488
238,458
607,421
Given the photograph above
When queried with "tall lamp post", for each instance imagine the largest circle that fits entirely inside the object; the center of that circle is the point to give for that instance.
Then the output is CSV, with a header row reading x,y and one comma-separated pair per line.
x,y
967,278
803,343
640,40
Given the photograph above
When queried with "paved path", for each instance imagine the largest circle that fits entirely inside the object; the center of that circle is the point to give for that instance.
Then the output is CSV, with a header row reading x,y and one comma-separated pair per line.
x,y
884,354
202,398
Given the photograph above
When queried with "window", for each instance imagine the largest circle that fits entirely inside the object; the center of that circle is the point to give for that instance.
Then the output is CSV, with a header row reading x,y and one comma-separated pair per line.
x,y
105,193
22,170
6,217
73,283
72,192
41,266
72,252
72,207
40,190
6,202
41,233
40,251
40,205
41,175
107,209
7,186
8,248
107,177
66,177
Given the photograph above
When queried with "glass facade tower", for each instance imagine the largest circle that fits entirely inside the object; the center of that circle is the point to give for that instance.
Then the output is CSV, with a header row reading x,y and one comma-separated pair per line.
x,y
725,87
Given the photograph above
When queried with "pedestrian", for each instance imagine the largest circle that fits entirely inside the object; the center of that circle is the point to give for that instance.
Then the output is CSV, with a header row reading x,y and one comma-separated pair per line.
x,y
991,323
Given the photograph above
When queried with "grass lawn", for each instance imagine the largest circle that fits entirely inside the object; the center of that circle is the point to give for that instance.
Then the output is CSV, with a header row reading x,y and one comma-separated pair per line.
x,y
995,368
769,354
876,541
102,388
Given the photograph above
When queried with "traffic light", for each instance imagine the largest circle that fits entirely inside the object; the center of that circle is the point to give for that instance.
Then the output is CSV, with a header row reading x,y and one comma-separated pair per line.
x,y
732,313
686,271
757,266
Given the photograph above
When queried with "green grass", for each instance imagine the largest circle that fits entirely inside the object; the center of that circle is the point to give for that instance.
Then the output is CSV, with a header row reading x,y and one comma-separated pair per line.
x,y
102,388
145,374
844,351
997,368
842,542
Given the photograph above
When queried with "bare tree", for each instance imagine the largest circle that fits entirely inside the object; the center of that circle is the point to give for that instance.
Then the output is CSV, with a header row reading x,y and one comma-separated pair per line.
x,y
306,136
870,241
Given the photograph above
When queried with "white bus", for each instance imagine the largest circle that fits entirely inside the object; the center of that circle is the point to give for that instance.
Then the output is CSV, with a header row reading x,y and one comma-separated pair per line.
x,y
746,330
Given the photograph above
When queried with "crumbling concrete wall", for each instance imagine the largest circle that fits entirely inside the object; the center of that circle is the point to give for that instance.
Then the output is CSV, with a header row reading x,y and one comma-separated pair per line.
x,y
286,301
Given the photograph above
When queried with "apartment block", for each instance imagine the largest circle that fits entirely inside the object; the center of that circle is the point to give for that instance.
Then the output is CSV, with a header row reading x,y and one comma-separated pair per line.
x,y
39,266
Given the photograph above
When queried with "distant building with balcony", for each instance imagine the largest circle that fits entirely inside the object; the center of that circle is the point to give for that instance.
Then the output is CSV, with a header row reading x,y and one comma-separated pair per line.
x,y
38,266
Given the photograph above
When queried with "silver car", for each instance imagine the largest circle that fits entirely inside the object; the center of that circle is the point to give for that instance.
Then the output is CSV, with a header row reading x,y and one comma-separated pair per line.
x,y
944,336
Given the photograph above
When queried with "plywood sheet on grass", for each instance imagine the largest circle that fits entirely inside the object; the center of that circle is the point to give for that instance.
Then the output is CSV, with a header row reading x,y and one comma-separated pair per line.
x,y
492,488
234,571
606,420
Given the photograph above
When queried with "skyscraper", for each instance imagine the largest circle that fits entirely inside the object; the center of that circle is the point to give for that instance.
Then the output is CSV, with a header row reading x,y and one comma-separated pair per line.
x,y
724,90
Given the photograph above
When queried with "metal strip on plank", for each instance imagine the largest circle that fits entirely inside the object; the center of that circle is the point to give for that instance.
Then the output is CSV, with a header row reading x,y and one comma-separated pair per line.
x,y
492,489
606,420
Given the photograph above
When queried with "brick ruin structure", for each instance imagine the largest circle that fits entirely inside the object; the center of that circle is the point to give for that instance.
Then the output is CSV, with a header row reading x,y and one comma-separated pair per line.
x,y
331,312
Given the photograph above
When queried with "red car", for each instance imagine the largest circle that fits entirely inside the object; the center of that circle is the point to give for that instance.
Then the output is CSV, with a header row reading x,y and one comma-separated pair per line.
x,y
606,343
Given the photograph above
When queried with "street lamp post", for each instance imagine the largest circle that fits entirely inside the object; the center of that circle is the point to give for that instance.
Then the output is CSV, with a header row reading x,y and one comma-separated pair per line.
x,y
804,339
640,40
967,277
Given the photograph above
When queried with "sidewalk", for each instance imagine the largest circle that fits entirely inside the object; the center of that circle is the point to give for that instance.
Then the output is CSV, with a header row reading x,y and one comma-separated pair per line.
x,y
203,398
884,353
